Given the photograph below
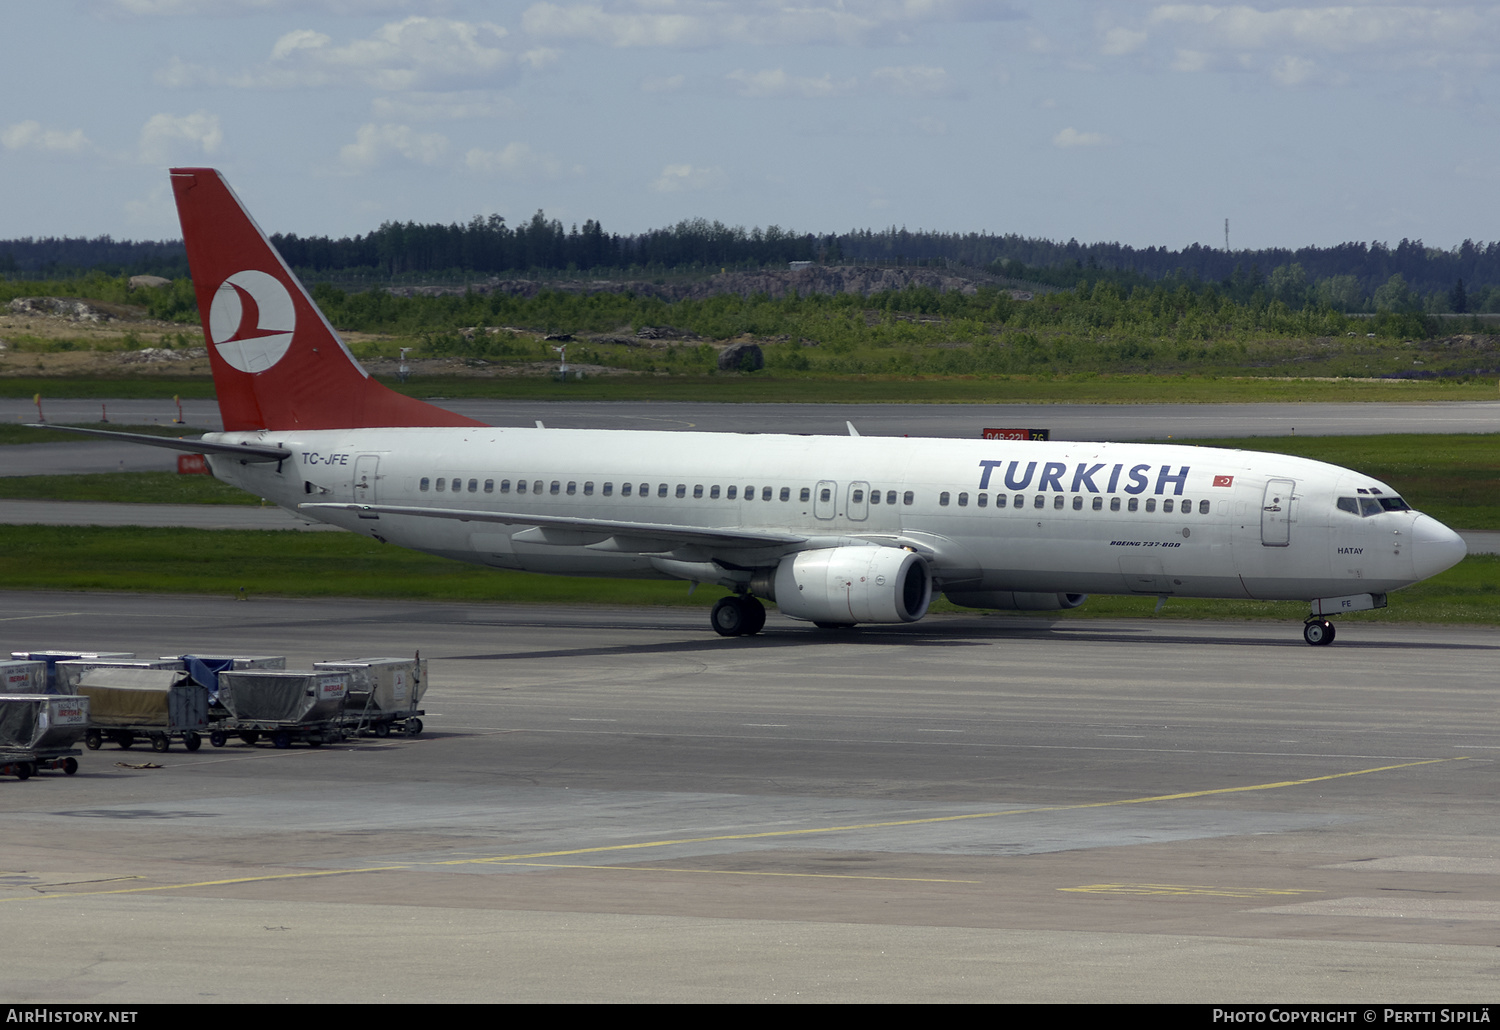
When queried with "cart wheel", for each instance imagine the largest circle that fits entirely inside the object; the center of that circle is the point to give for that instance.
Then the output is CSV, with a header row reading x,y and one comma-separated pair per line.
x,y
382,729
192,741
217,738
281,739
126,739
250,736
413,726
22,770
70,766
161,743
314,741
92,739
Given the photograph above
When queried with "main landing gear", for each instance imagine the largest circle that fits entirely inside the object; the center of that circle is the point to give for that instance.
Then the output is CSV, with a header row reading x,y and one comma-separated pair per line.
x,y
738,615
1317,632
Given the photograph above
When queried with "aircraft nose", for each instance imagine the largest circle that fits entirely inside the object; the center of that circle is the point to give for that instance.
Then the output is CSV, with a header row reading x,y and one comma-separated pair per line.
x,y
1437,547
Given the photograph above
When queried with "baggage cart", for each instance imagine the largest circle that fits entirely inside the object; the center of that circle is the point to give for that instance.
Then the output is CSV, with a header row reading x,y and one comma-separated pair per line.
x,y
53,657
285,705
383,694
130,704
38,731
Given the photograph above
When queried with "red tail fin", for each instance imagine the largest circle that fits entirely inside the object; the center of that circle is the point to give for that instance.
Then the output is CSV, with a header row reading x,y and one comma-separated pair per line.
x,y
277,363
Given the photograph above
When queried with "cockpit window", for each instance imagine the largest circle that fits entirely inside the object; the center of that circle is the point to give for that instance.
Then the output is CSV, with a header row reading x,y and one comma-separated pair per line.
x,y
1364,507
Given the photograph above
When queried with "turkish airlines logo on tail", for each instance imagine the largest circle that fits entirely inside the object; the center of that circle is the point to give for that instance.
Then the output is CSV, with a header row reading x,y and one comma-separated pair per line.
x,y
252,320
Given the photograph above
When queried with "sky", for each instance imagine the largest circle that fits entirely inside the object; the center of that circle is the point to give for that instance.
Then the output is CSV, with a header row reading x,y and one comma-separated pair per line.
x,y
1137,122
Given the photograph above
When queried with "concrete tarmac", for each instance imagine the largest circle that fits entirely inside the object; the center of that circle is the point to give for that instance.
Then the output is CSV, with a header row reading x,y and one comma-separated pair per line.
x,y
619,805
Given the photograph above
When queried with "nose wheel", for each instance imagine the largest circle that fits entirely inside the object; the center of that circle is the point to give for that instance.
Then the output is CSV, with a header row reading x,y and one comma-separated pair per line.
x,y
738,615
1318,632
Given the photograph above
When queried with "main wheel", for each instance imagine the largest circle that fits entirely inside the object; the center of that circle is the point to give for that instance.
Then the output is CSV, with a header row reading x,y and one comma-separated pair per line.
x,y
730,617
1318,634
755,613
92,739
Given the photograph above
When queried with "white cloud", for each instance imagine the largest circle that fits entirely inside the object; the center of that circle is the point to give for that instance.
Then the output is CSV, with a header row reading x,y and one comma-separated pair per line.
x,y
663,84
775,82
1071,137
414,53
688,178
377,144
914,80
180,8
1119,41
514,161
31,136
704,23
169,137
439,106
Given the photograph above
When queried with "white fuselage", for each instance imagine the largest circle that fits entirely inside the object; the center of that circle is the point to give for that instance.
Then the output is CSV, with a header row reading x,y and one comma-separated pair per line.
x,y
989,516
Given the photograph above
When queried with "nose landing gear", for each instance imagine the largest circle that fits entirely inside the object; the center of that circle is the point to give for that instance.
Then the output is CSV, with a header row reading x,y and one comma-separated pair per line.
x,y
1318,632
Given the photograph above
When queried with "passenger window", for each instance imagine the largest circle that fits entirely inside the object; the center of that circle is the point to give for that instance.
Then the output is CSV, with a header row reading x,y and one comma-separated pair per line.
x,y
857,497
749,493
489,486
681,491
625,489
765,493
804,495
556,488
572,489
661,490
1077,502
423,484
588,489
963,500
505,486
1020,501
1057,502
983,500
999,500
1151,504
943,498
1166,505
1114,504
890,497
609,489
520,486
824,495
731,493
908,497
1134,504
442,484
1040,501
786,493
1098,504
1203,507
874,496
1187,507
646,489
536,486
473,486
698,491
713,492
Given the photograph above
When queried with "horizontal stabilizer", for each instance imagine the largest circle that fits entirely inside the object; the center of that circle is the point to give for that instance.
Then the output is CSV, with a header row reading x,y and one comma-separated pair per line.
x,y
242,451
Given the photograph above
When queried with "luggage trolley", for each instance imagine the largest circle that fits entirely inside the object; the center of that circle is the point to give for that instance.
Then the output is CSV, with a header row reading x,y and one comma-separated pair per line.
x,y
383,694
286,705
37,732
130,704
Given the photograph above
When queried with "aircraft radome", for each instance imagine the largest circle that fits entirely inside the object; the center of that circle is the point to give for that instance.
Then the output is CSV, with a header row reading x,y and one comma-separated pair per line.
x,y
837,530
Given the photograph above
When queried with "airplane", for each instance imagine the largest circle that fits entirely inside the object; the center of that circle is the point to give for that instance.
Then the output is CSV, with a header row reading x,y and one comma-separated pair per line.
x,y
836,530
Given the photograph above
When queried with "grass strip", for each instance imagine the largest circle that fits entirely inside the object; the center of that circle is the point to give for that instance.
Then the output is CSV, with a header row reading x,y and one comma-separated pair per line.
x,y
293,564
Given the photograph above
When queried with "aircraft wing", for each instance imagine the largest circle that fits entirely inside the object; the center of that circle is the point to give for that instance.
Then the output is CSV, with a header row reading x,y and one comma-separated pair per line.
x,y
242,451
644,537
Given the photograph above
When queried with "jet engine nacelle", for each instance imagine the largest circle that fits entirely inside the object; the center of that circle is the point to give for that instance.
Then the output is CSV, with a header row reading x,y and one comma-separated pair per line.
x,y
1015,600
845,585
